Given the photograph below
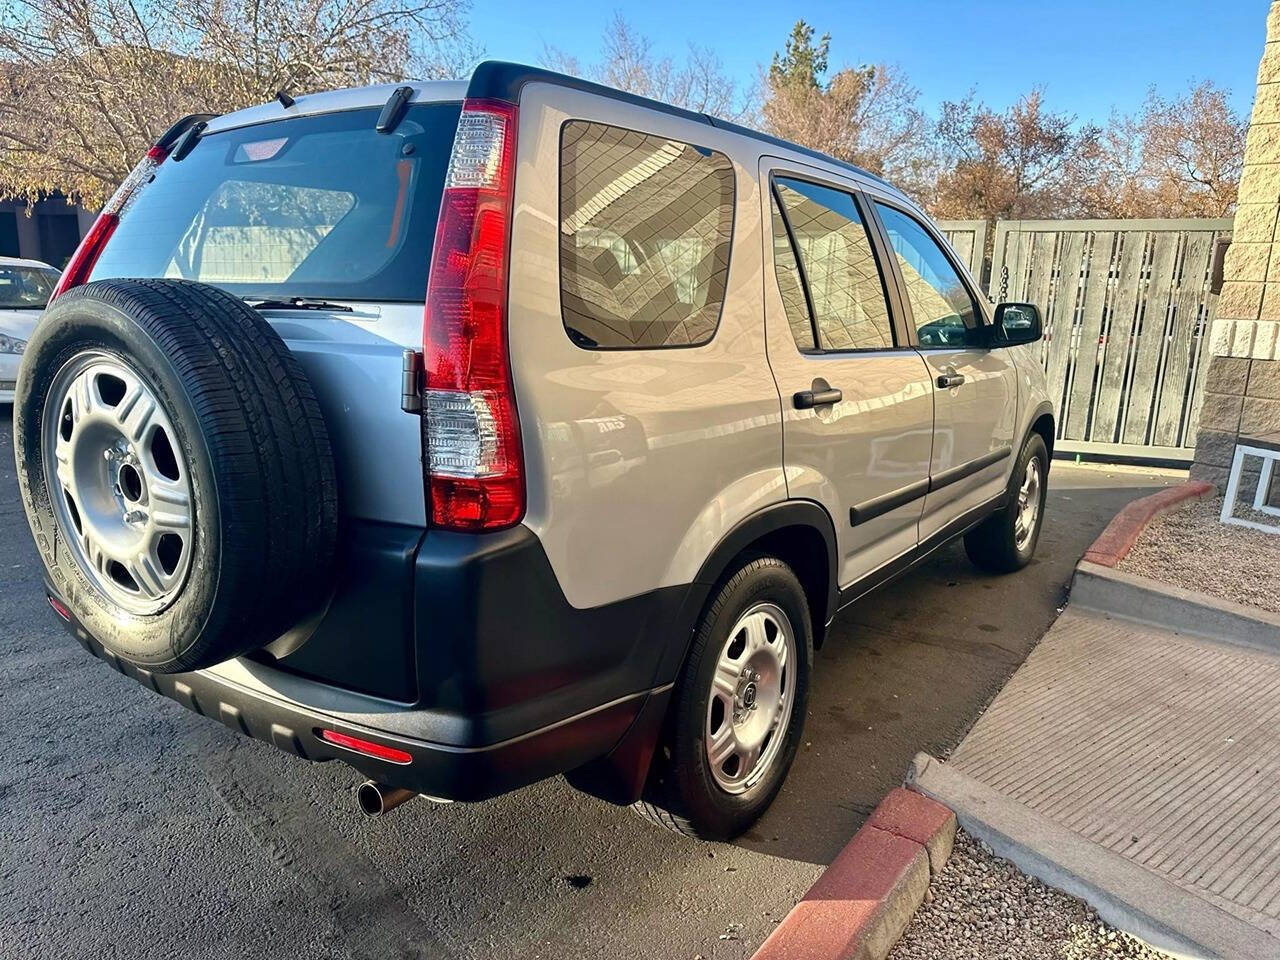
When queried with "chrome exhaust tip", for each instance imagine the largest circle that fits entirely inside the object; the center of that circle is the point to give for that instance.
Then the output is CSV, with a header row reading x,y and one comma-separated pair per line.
x,y
375,799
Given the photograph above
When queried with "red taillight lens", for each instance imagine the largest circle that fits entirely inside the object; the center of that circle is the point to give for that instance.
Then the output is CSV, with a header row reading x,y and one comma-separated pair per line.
x,y
474,457
90,249
367,747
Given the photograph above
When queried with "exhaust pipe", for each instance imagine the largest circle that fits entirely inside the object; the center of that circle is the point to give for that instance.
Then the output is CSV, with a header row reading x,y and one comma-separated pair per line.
x,y
375,798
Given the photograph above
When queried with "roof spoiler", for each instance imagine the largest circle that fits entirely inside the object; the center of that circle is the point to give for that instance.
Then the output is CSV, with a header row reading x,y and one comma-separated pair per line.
x,y
170,136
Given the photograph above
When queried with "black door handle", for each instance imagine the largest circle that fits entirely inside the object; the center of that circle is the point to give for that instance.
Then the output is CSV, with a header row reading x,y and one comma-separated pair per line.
x,y
808,399
947,380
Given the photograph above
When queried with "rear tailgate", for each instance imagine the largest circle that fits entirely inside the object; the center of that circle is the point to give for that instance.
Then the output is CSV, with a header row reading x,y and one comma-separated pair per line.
x,y
324,208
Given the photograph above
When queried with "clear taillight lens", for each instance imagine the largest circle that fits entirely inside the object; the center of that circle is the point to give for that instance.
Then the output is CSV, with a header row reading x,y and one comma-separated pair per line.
x,y
472,433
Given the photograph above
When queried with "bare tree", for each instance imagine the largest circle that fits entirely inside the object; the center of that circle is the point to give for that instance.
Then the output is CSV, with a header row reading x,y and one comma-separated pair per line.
x,y
1026,161
629,62
1180,157
865,115
87,85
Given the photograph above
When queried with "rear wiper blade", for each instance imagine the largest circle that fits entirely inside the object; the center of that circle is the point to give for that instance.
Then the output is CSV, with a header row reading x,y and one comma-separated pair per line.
x,y
297,303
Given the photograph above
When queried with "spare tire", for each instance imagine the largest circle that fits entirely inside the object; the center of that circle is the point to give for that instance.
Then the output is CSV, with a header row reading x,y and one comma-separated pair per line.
x,y
175,470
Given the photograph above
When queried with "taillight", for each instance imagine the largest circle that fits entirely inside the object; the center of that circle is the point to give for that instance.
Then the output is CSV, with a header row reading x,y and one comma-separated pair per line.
x,y
95,241
474,459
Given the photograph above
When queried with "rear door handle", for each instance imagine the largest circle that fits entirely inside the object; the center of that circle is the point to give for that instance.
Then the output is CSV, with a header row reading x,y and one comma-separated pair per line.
x,y
808,399
948,380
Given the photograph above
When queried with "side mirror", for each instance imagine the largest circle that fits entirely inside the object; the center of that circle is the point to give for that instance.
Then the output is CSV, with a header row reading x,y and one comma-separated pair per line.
x,y
1017,323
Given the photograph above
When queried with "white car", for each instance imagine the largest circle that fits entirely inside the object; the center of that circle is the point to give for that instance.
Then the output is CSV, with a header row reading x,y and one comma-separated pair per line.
x,y
25,286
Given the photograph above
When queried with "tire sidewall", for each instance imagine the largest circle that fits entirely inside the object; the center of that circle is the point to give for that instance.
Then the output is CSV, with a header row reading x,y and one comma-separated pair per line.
x,y
73,326
716,812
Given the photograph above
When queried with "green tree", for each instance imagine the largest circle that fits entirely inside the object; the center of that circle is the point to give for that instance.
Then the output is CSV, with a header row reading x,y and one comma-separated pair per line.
x,y
802,62
865,115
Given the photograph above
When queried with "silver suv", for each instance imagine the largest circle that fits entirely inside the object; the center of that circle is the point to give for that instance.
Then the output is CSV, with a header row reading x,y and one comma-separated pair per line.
x,y
682,392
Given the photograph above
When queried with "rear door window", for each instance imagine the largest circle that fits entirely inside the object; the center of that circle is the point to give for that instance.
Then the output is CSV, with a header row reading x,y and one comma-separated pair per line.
x,y
645,229
321,206
845,285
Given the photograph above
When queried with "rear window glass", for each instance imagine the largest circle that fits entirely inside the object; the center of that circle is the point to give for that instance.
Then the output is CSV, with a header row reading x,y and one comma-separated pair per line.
x,y
321,207
645,229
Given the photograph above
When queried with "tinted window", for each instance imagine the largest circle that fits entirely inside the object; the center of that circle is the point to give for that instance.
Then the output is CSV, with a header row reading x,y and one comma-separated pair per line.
x,y
790,284
839,264
645,225
320,206
944,312
25,288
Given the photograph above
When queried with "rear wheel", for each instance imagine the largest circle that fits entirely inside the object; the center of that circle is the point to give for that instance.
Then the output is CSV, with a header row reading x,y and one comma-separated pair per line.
x,y
1006,541
739,707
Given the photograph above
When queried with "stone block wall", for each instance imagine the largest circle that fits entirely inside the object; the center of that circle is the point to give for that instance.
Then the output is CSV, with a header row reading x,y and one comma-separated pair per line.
x,y
1242,383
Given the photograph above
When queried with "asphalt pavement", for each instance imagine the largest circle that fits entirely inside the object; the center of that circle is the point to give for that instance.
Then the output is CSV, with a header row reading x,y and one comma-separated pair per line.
x,y
131,828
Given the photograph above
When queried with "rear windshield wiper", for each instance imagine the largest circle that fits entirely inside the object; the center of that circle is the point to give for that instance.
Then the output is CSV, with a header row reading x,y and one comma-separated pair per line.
x,y
297,303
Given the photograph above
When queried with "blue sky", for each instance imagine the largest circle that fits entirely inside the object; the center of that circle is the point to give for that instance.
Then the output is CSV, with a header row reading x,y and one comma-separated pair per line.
x,y
1089,55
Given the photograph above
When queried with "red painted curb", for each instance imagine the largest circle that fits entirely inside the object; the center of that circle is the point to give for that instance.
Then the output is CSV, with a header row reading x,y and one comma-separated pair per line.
x,y
1123,531
861,904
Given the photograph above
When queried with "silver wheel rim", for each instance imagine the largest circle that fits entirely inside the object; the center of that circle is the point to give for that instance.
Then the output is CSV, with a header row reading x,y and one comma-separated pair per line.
x,y
119,483
752,692
1024,525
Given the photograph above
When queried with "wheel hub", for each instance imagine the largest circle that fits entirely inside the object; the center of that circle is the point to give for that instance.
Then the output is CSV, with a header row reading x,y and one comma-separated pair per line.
x,y
1028,506
120,488
751,698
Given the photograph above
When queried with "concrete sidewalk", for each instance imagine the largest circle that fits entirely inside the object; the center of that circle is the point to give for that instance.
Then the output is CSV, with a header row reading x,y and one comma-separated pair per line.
x,y
1138,767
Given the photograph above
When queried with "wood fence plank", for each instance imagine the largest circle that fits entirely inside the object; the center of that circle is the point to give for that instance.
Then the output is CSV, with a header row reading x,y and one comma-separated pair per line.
x,y
1018,274
962,243
998,257
1060,323
1187,300
1191,415
1085,347
977,265
1119,339
1040,276
1151,339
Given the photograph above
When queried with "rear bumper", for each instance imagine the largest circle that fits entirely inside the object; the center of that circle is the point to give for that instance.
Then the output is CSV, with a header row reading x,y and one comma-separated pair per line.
x,y
512,685
253,700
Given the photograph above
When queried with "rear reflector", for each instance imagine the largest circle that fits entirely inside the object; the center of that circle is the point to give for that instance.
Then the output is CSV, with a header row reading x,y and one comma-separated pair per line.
x,y
60,610
367,747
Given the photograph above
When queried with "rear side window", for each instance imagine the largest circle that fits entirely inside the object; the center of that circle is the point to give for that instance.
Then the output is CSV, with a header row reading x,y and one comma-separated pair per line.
x,y
321,206
645,230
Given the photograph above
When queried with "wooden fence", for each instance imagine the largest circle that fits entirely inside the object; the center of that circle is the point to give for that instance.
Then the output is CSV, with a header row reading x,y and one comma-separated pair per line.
x,y
1127,307
969,240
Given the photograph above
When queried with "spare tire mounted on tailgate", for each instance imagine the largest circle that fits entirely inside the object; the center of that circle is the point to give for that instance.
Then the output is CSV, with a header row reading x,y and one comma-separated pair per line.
x,y
175,470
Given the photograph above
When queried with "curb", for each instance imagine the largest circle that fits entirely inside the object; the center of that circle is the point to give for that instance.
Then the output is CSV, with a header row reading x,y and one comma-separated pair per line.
x,y
1123,531
864,900
1124,894
1115,593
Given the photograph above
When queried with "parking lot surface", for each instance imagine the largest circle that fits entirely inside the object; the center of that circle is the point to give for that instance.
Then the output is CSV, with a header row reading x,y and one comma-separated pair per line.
x,y
132,828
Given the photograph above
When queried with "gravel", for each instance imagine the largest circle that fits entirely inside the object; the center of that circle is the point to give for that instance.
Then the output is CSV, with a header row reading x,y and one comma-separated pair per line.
x,y
1190,548
982,907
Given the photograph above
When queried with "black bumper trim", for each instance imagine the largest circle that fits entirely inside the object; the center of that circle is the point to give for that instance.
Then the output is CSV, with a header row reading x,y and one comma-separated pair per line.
x,y
448,771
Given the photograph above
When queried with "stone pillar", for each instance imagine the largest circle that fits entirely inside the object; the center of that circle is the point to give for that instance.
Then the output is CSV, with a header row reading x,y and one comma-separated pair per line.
x,y
1242,384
